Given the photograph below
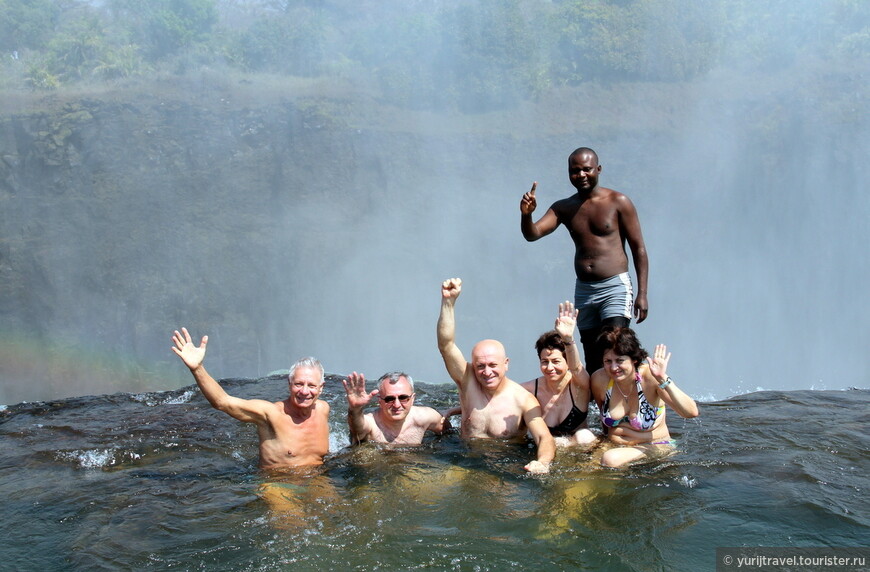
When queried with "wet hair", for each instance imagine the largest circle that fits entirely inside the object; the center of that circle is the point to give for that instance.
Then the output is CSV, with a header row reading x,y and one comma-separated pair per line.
x,y
583,151
623,341
551,340
394,376
309,362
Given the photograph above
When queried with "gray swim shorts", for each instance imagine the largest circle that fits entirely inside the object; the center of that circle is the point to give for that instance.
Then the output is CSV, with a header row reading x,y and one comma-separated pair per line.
x,y
609,298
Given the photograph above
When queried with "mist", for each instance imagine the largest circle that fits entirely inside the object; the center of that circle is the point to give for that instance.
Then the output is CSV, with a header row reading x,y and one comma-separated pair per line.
x,y
316,213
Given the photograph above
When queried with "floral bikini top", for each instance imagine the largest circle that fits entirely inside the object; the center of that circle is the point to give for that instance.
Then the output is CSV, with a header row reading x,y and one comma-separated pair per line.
x,y
646,415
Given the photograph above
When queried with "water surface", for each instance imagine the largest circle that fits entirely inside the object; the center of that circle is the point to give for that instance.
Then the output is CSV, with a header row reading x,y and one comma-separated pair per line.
x,y
161,480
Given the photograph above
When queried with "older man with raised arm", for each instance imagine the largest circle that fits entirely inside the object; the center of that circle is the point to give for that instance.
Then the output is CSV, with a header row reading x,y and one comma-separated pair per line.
x,y
397,420
293,432
493,406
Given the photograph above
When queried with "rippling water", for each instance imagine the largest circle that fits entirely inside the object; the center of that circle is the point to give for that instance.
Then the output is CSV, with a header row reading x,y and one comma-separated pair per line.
x,y
161,480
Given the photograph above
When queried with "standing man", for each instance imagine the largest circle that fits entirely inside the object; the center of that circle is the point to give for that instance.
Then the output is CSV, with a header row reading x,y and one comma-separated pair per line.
x,y
293,432
493,406
397,421
600,221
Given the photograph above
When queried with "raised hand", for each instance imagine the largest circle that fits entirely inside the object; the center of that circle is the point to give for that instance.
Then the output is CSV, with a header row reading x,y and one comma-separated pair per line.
x,y
451,288
566,320
191,355
658,364
355,387
528,203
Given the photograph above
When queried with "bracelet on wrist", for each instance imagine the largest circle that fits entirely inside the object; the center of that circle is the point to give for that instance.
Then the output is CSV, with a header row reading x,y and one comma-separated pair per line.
x,y
568,342
667,381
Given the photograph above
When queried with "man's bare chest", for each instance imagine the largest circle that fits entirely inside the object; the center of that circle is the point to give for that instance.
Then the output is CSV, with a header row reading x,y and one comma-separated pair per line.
x,y
589,219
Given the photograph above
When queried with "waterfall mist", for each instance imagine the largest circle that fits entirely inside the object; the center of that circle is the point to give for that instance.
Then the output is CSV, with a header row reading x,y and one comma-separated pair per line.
x,y
243,210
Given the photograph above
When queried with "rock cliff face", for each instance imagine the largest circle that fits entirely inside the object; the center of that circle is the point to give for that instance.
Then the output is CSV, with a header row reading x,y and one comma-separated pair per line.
x,y
126,217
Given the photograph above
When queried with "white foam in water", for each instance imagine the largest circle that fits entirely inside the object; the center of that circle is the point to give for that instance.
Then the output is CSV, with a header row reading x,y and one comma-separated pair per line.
x,y
93,459
688,482
96,458
183,398
153,399
143,398
337,439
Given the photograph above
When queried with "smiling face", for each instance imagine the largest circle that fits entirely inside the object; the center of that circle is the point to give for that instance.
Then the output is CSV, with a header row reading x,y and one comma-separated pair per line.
x,y
390,401
583,170
553,365
490,364
305,387
619,367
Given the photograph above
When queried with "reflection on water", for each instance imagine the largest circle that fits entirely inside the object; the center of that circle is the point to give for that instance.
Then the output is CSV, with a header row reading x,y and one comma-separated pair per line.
x,y
162,480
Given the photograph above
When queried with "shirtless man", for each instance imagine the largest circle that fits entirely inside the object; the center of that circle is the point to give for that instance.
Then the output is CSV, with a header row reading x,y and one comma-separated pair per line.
x,y
493,406
397,421
293,432
600,221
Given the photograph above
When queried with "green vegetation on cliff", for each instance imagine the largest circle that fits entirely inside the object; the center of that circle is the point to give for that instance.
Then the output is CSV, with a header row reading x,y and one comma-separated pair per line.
x,y
461,55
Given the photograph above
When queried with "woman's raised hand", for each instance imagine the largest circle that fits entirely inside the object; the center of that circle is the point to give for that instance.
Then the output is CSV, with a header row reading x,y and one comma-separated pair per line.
x,y
658,364
566,321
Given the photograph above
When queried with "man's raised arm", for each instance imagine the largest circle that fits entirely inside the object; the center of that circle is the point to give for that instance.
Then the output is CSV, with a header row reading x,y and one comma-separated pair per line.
x,y
357,398
531,230
248,411
450,352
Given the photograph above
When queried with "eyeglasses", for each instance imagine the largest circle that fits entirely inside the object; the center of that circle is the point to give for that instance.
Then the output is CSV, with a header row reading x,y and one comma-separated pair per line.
x,y
401,398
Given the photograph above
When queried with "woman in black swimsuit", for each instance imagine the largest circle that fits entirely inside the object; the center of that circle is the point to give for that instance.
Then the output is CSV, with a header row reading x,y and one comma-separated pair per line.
x,y
563,389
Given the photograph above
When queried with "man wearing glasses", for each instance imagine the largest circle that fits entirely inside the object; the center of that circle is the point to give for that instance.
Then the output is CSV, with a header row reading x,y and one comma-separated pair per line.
x,y
397,420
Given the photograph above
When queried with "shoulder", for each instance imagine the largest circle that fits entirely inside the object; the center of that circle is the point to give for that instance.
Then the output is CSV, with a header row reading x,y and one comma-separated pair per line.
x,y
264,406
525,397
581,380
622,202
268,410
468,385
648,380
598,380
645,373
369,421
517,388
322,407
529,385
565,204
513,391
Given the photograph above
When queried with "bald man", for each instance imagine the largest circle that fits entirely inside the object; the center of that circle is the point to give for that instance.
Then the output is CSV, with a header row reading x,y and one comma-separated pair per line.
x,y
493,406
